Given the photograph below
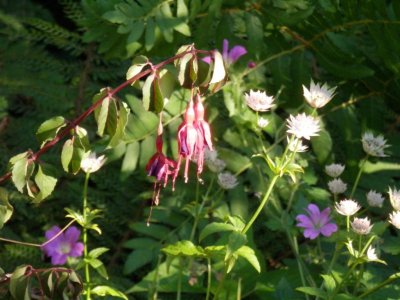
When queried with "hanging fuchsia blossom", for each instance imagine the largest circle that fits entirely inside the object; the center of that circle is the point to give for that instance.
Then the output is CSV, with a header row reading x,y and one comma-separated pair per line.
x,y
316,222
63,246
194,137
203,141
230,56
160,167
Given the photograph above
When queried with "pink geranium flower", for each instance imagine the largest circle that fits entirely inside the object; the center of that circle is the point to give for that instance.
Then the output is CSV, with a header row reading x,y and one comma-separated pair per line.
x,y
64,246
316,222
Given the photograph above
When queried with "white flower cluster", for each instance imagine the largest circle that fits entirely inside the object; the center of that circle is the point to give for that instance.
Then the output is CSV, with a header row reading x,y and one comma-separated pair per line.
x,y
259,101
90,163
374,145
394,217
225,179
318,95
336,185
347,207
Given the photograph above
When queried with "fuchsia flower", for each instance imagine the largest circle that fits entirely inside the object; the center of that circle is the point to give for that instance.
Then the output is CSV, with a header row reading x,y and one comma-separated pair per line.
x,y
64,246
160,167
230,56
194,137
316,222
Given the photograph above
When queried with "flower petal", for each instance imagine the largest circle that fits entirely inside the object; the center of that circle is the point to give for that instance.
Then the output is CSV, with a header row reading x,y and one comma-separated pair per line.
x,y
328,229
58,259
72,234
207,59
236,52
311,233
304,221
225,48
324,216
52,232
76,250
314,213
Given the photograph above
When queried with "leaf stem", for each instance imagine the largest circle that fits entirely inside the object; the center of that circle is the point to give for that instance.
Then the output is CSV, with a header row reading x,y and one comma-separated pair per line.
x,y
85,246
358,176
208,278
262,204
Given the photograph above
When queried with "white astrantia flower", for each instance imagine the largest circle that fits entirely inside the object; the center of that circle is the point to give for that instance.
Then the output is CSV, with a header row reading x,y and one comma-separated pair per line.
x,y
375,199
337,186
227,181
215,164
361,225
296,145
347,207
259,101
90,163
394,196
394,219
334,170
262,122
374,145
318,95
303,126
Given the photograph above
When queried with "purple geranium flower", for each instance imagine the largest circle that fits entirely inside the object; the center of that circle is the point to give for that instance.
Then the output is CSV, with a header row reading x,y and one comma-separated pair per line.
x,y
229,55
316,222
66,244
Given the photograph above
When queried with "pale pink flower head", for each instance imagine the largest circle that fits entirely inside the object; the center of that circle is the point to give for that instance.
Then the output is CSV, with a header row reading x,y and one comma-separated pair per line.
x,y
394,219
375,199
259,101
318,95
394,196
334,170
230,56
303,126
347,207
316,222
374,145
63,246
361,225
337,186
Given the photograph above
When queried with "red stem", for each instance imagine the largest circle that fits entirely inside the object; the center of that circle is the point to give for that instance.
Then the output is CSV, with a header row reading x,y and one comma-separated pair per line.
x,y
35,156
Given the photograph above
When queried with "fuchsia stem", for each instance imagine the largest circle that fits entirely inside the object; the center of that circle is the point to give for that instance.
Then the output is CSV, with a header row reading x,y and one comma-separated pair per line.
x,y
66,131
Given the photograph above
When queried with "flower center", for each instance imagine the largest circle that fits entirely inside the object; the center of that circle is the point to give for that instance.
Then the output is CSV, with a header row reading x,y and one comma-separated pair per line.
x,y
65,248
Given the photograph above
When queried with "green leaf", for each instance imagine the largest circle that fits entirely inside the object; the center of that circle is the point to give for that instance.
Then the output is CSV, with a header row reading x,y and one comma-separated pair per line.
x,y
130,160
66,154
219,73
146,91
104,290
49,129
45,181
137,66
97,252
142,243
249,254
150,34
184,248
136,32
98,266
329,283
102,116
6,210
322,146
214,228
313,291
137,259
20,171
123,114
182,10
19,282
236,241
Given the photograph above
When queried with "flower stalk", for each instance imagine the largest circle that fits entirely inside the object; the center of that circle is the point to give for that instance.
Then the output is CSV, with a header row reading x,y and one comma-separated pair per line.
x,y
85,246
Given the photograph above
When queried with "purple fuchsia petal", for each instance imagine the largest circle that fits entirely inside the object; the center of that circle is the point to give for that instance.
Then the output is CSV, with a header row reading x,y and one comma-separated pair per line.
x,y
304,221
72,234
236,52
76,250
314,213
328,229
311,233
